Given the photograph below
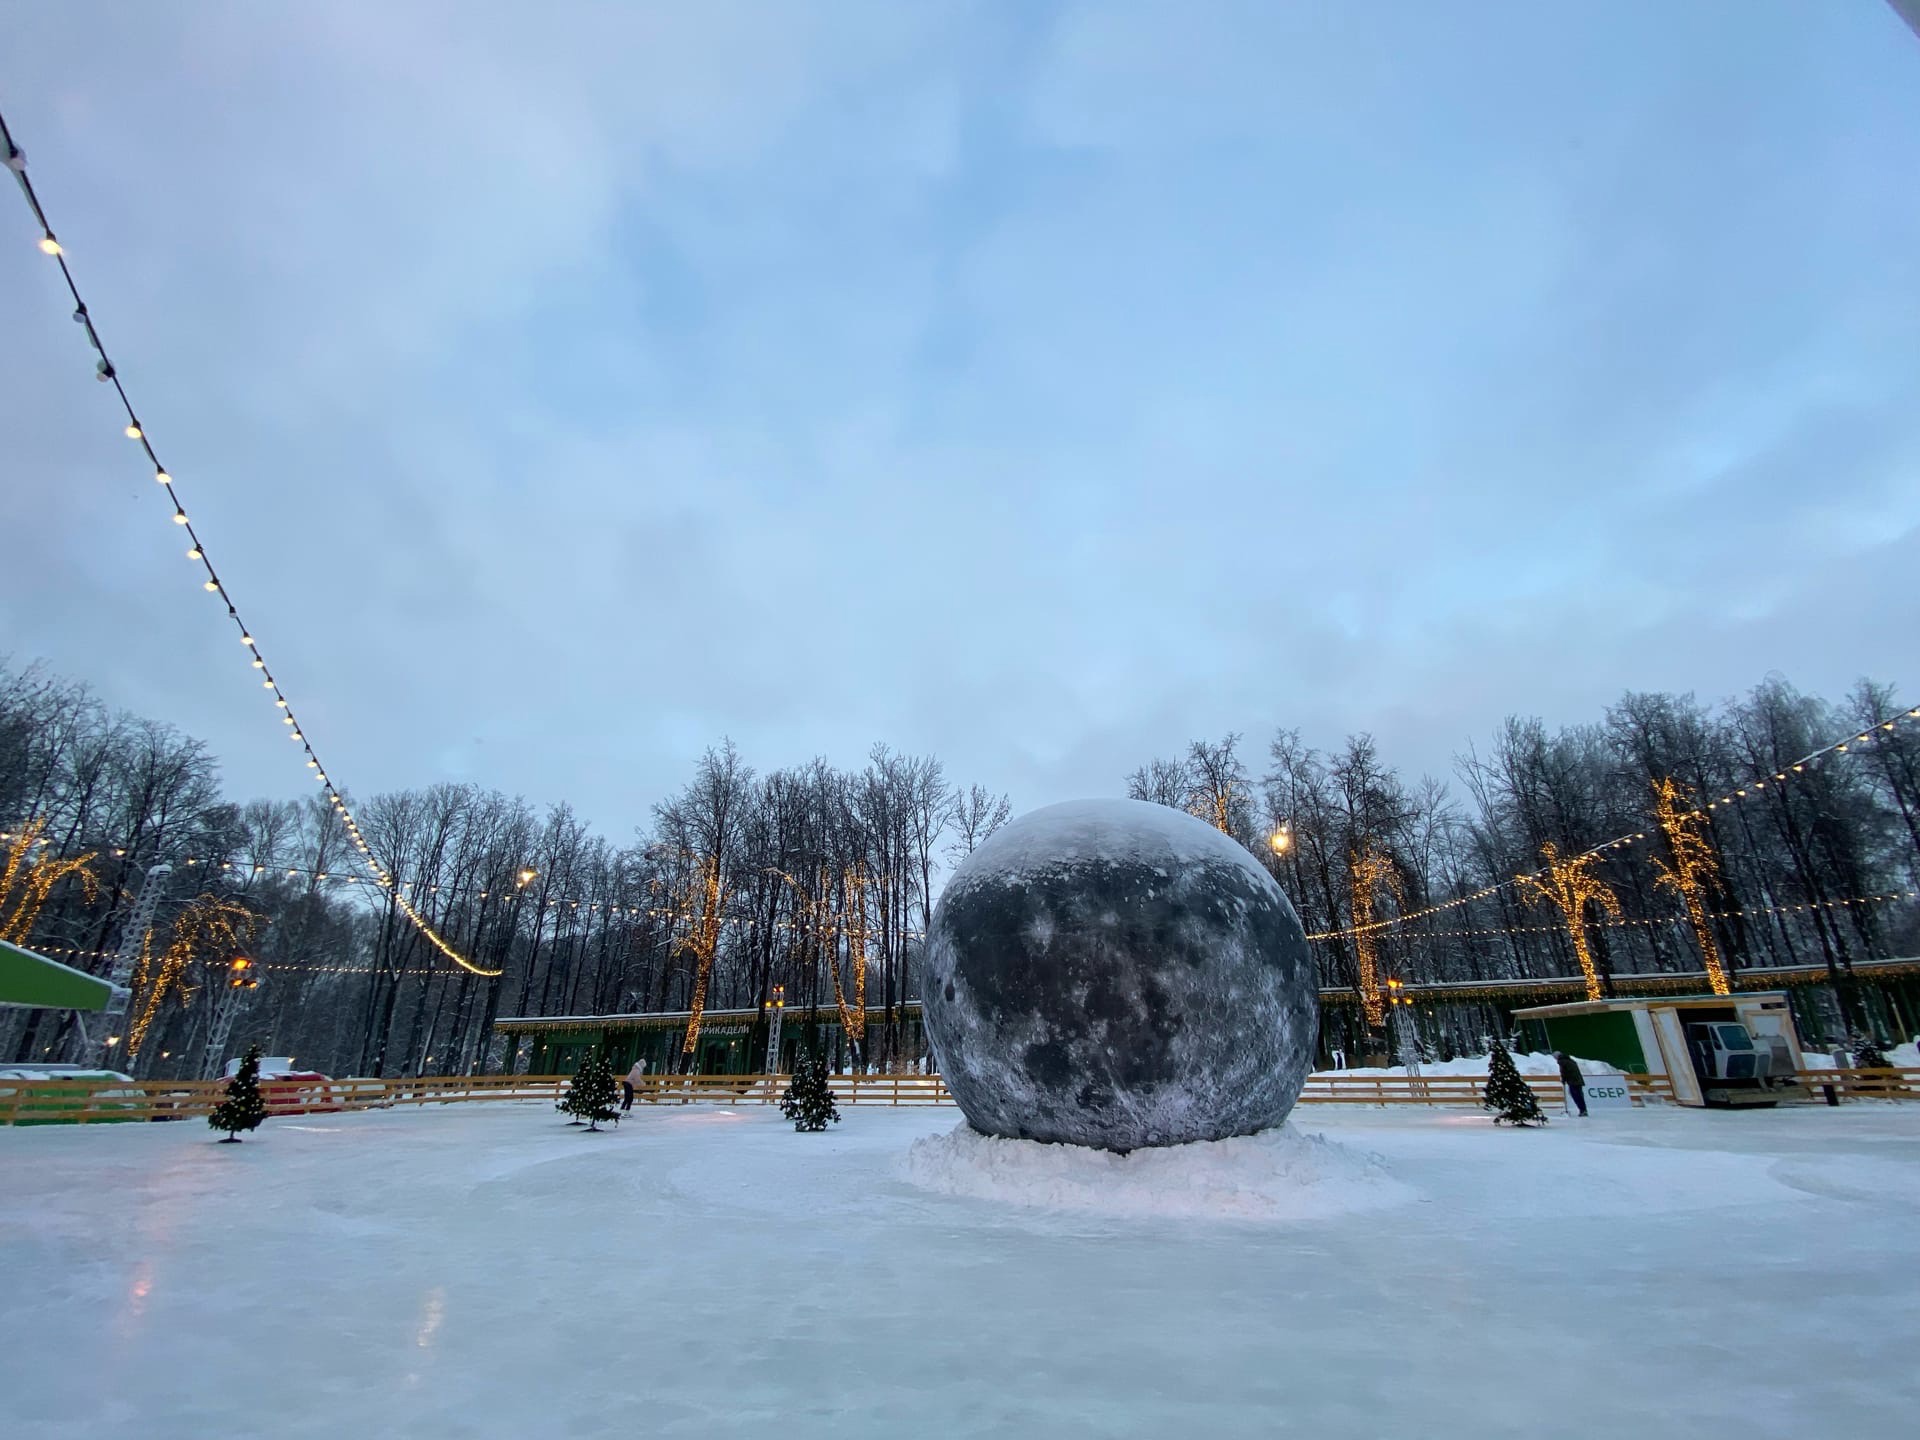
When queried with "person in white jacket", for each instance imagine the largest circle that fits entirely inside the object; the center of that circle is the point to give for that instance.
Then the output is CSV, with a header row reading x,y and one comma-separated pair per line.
x,y
634,1077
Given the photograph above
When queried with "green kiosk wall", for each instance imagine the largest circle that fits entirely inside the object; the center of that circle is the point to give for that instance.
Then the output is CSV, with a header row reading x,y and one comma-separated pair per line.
x,y
34,981
1607,1035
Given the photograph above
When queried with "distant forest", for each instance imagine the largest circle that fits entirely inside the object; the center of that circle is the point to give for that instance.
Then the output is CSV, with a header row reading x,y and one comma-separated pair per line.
x,y
822,880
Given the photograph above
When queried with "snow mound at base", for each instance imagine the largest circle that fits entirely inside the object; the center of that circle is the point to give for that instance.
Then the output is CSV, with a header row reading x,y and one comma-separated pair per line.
x,y
1279,1174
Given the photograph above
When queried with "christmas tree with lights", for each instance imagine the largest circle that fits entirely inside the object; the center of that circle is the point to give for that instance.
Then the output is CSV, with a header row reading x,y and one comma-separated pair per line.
x,y
809,1099
591,1095
244,1107
1510,1097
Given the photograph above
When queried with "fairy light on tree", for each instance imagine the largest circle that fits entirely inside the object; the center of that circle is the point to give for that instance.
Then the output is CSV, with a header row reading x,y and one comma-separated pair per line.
x,y
27,879
1694,867
1571,885
1368,869
852,926
703,940
208,927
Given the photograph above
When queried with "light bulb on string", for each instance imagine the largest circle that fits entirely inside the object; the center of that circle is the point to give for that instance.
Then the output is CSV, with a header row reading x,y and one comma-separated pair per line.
x,y
161,477
179,517
49,245
133,432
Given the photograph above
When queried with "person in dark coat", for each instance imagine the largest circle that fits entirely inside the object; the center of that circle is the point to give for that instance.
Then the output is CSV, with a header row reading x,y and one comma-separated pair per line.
x,y
1571,1077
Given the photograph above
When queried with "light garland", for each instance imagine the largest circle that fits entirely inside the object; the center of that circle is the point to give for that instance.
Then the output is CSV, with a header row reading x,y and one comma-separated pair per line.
x,y
1694,866
705,944
1751,789
210,925
197,552
25,885
1367,870
1571,885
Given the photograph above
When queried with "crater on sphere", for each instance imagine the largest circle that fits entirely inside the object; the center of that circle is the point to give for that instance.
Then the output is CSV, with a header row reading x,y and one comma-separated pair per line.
x,y
1118,974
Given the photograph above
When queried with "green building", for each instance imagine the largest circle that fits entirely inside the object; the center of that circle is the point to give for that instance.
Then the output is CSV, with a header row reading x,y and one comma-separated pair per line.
x,y
732,1042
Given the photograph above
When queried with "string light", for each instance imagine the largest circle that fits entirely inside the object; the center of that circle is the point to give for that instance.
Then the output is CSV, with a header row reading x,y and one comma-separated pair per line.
x,y
16,161
1368,870
26,884
1621,842
1694,867
1571,885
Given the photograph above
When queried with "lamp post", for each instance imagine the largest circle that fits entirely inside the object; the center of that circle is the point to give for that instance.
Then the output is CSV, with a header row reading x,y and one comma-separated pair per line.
x,y
776,1007
240,977
133,938
1400,1004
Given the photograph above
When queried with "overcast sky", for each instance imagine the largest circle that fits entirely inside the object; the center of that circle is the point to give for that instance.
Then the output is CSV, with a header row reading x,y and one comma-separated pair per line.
x,y
560,388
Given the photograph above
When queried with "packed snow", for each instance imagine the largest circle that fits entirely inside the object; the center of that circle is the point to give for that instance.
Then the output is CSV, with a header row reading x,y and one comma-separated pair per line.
x,y
1278,1174
1900,1057
485,1270
1131,831
1527,1062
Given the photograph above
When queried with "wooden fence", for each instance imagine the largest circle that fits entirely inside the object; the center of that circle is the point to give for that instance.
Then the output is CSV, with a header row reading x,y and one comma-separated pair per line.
x,y
1336,1088
45,1102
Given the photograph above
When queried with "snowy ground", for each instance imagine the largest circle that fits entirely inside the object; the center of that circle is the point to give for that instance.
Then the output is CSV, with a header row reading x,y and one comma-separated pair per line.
x,y
484,1270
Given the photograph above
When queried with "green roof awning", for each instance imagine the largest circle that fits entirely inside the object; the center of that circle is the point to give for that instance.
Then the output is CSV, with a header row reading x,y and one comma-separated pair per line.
x,y
34,980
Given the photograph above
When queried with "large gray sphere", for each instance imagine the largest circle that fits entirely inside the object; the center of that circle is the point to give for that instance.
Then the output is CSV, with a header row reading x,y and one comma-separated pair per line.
x,y
1118,974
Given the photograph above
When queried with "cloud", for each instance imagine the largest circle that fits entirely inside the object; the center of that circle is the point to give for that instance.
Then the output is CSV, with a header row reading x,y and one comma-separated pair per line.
x,y
1039,389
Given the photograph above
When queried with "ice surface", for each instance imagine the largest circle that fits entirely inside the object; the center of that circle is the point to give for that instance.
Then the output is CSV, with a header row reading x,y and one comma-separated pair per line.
x,y
484,1270
1277,1174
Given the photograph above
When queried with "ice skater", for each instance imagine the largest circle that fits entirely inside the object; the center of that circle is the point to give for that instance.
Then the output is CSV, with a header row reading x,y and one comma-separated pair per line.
x,y
627,1086
1575,1082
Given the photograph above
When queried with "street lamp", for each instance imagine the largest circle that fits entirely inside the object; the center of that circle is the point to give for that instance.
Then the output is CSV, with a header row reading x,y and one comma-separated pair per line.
x,y
776,1006
1400,1003
1281,840
527,876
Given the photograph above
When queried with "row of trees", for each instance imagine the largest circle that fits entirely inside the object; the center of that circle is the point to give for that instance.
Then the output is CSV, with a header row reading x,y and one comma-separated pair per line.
x,y
1783,876
815,878
823,880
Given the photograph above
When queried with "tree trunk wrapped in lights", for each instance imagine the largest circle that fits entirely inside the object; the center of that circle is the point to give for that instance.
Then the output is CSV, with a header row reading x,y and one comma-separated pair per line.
x,y
853,924
208,929
25,886
704,942
1369,869
1695,866
1570,885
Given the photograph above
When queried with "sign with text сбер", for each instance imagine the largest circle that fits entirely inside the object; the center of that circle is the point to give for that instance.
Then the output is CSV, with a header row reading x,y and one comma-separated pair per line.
x,y
1604,1092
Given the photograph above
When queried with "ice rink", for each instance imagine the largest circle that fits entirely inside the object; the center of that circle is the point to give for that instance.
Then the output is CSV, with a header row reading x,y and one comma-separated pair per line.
x,y
486,1270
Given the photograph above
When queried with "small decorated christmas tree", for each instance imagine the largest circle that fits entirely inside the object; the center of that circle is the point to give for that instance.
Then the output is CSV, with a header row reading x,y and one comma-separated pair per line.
x,y
809,1100
1507,1095
1867,1054
590,1097
244,1106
